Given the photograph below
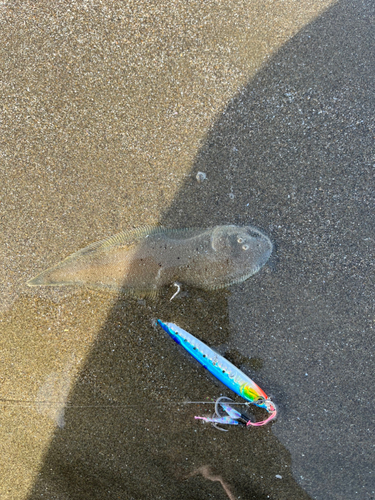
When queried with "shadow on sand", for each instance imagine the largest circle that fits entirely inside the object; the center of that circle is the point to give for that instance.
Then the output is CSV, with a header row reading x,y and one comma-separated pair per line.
x,y
289,156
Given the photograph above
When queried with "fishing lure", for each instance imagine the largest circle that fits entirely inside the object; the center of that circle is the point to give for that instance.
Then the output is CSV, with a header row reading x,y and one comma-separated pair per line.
x,y
228,374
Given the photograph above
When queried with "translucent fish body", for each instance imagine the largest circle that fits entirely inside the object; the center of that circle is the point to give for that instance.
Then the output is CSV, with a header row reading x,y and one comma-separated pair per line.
x,y
143,260
220,367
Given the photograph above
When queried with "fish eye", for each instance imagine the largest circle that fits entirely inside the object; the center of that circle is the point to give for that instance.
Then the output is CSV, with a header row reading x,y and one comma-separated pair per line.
x,y
245,247
240,240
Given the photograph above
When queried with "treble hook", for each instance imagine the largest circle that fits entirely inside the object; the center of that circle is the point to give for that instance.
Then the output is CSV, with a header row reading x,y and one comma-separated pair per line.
x,y
232,417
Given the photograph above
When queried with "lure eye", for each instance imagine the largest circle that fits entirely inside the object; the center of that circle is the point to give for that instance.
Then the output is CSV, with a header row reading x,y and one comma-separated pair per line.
x,y
245,247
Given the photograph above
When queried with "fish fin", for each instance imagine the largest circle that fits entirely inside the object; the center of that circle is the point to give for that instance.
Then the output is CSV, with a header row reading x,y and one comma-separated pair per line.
x,y
234,281
133,236
127,238
141,294
130,292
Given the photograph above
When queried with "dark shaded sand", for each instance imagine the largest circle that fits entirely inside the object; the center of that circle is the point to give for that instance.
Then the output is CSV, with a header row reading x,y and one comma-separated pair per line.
x,y
290,154
293,148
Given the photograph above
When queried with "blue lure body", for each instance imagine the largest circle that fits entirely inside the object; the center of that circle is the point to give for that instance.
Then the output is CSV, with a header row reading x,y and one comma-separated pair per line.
x,y
224,371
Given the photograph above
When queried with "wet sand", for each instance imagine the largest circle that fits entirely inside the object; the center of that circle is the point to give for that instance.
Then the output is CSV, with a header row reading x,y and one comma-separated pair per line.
x,y
109,113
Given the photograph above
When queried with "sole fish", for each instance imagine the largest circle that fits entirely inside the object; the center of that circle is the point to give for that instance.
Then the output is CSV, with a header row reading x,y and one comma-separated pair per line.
x,y
142,261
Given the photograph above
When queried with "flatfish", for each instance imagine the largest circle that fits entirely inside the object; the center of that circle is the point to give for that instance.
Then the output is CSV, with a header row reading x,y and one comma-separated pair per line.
x,y
142,261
